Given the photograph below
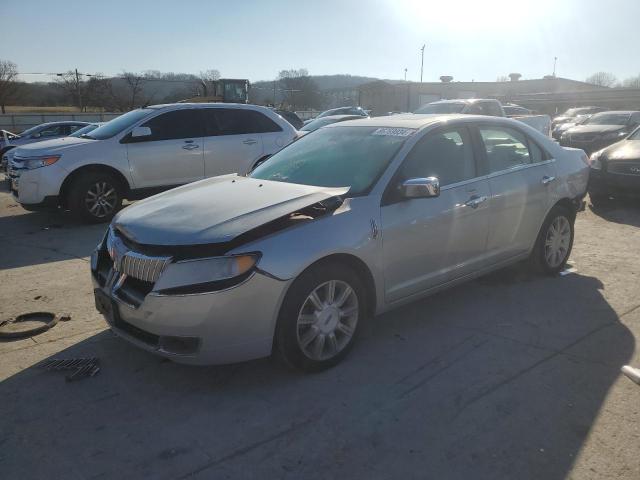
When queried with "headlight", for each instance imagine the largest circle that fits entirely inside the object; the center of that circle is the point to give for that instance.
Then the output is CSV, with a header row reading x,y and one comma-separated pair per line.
x,y
614,135
37,162
206,274
594,160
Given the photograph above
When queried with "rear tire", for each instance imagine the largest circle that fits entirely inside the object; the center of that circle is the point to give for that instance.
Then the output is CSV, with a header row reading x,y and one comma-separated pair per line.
x,y
320,317
95,197
555,241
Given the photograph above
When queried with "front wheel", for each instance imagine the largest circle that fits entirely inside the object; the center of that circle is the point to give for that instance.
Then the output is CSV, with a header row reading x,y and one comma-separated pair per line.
x,y
320,317
95,197
555,241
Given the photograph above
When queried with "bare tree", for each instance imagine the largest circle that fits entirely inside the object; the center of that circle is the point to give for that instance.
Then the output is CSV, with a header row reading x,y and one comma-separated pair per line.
x,y
135,83
299,89
8,84
97,92
502,78
72,85
602,79
208,79
632,82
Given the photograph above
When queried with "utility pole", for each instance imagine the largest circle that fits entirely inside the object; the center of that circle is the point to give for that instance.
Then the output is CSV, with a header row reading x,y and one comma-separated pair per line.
x,y
555,60
274,93
405,74
422,61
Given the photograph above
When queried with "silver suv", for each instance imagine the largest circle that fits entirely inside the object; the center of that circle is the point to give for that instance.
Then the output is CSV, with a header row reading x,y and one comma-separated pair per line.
x,y
347,222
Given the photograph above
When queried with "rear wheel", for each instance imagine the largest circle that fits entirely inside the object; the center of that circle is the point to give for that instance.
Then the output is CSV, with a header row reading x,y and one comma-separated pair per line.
x,y
555,241
320,317
95,197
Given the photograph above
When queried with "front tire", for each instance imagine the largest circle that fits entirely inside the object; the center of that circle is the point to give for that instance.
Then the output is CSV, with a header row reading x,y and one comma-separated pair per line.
x,y
95,197
555,241
320,316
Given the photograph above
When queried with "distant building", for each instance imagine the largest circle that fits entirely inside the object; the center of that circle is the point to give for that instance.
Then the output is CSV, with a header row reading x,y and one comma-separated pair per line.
x,y
385,96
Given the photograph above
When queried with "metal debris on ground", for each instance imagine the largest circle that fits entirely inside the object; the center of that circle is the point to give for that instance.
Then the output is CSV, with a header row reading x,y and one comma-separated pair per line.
x,y
568,269
632,373
27,325
82,367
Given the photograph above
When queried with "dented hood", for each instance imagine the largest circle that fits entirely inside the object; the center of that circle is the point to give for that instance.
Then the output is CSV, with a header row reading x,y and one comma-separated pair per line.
x,y
215,210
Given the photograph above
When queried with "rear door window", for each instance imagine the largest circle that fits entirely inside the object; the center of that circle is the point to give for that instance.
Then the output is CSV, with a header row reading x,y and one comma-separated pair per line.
x,y
236,121
178,124
55,131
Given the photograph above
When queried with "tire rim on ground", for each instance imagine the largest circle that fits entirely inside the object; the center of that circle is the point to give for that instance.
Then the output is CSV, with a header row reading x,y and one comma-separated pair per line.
x,y
101,199
557,241
327,320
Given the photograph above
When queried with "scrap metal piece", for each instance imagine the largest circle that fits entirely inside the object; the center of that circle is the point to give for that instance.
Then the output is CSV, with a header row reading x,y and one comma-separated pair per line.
x,y
81,367
632,373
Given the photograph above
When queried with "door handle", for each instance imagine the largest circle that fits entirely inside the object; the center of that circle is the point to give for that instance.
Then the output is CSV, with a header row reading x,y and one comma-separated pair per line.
x,y
250,141
546,180
190,146
475,201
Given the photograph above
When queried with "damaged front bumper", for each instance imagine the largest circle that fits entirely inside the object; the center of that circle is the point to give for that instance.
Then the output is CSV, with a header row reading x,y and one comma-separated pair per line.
x,y
218,327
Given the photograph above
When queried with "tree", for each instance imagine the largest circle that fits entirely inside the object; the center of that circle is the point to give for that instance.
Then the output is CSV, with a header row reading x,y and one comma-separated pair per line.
x,y
602,79
208,79
299,89
632,82
71,84
8,84
502,78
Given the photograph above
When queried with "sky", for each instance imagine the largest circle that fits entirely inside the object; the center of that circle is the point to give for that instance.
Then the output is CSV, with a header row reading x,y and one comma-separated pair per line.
x,y
469,39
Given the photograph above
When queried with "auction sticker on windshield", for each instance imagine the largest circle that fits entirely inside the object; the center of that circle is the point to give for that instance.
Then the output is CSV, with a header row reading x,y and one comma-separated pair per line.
x,y
393,132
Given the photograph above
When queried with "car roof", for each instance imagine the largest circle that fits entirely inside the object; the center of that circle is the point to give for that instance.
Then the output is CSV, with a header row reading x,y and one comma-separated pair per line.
x,y
248,106
617,112
64,122
409,120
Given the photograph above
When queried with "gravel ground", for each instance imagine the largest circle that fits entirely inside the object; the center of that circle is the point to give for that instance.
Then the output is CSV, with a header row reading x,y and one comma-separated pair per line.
x,y
513,376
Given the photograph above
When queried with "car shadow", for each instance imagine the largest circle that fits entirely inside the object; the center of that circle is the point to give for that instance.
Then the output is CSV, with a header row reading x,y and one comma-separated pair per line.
x,y
498,378
619,210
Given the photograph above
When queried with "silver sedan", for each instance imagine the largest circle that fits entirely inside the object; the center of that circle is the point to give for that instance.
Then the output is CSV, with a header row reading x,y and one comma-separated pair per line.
x,y
347,222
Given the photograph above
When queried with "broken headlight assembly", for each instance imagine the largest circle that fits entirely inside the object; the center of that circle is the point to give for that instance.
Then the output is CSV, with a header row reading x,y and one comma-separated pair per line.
x,y
206,274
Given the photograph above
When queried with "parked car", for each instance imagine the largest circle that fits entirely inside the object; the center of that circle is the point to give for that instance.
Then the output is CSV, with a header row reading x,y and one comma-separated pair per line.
x,y
39,133
292,257
84,130
572,113
321,122
601,130
291,117
484,106
615,171
340,111
512,110
143,152
559,129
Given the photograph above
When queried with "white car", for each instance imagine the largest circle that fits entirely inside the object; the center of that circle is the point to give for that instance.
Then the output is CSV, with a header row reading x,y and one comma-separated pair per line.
x,y
143,152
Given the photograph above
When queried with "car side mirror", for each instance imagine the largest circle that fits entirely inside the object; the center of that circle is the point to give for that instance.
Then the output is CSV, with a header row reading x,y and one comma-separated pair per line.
x,y
420,187
140,132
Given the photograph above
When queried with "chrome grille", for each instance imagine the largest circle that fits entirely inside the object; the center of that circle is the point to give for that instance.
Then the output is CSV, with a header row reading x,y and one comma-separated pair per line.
x,y
134,264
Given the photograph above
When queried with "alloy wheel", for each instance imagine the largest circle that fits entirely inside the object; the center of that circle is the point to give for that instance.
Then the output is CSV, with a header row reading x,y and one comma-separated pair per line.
x,y
101,199
327,320
557,241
